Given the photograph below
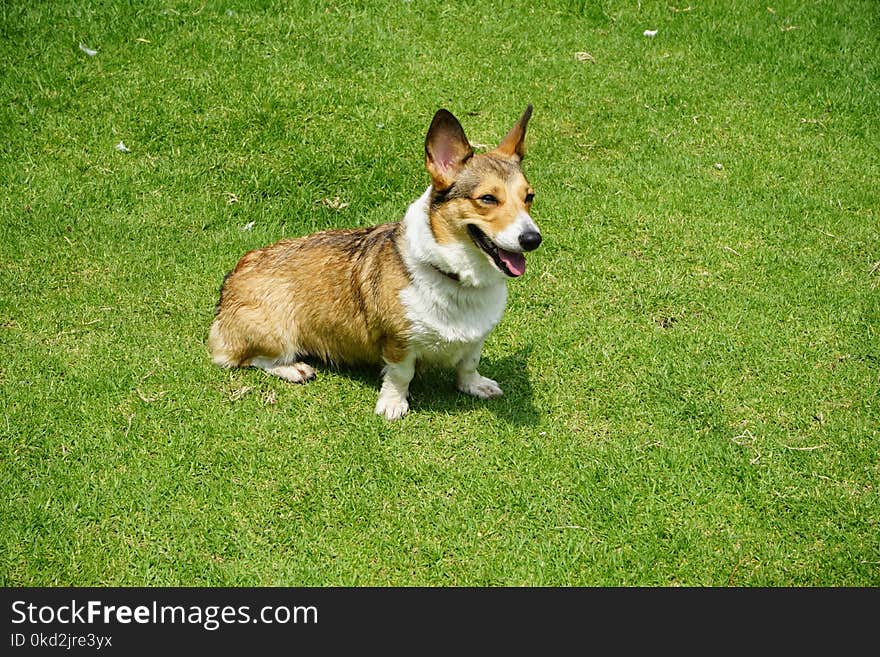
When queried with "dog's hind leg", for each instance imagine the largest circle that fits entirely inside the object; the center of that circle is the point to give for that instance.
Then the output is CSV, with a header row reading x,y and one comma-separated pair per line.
x,y
242,337
293,372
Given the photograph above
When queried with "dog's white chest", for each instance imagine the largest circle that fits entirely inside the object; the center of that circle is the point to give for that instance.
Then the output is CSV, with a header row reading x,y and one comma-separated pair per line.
x,y
447,319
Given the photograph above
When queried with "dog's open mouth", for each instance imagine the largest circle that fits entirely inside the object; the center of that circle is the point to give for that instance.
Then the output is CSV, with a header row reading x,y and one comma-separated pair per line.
x,y
509,262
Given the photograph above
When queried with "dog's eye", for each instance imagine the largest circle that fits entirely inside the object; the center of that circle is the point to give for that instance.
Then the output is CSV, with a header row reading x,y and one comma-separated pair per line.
x,y
530,197
488,199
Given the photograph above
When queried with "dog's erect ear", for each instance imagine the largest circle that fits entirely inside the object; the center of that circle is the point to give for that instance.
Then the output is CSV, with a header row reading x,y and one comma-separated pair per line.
x,y
446,149
512,145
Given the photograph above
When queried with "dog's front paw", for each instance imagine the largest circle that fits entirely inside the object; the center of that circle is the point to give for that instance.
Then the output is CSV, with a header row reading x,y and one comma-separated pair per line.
x,y
480,386
393,407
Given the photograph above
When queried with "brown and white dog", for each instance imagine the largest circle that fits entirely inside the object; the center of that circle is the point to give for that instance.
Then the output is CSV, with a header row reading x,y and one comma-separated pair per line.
x,y
428,288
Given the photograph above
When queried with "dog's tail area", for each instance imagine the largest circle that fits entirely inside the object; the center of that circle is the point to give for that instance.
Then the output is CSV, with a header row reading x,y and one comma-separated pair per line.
x,y
222,353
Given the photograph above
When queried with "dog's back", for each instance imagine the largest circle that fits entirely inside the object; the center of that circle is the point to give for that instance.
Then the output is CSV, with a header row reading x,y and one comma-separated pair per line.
x,y
331,295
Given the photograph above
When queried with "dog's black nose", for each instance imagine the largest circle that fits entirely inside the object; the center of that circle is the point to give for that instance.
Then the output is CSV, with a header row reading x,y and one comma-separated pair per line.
x,y
530,240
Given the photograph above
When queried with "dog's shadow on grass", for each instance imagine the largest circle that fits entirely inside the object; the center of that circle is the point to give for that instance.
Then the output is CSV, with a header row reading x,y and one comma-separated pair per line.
x,y
433,390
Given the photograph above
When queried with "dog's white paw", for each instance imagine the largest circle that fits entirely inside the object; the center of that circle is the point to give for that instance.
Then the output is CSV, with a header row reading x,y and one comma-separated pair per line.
x,y
296,373
393,407
480,386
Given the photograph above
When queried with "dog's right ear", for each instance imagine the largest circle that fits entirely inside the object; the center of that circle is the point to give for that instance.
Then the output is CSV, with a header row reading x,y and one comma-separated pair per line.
x,y
446,149
512,144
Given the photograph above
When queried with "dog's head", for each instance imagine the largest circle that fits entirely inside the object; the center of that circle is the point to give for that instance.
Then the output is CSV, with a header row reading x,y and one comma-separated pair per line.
x,y
481,200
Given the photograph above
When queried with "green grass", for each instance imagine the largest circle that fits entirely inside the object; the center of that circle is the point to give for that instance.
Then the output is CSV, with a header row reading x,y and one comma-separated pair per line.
x,y
691,362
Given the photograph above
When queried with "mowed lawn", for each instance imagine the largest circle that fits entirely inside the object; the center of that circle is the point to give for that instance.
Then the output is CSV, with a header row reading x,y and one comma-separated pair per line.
x,y
691,361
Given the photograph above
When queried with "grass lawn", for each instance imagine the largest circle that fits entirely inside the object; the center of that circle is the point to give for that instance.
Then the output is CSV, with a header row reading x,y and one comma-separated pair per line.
x,y
691,362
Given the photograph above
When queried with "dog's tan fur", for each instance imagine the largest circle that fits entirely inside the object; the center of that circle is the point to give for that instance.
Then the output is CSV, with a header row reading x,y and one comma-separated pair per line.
x,y
341,286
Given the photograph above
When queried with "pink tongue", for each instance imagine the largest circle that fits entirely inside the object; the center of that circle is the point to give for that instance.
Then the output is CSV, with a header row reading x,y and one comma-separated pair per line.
x,y
516,262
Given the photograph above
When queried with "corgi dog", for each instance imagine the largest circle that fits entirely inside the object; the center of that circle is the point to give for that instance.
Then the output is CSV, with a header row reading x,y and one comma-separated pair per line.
x,y
428,288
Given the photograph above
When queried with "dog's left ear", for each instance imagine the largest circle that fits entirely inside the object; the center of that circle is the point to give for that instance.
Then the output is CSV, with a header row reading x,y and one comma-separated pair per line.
x,y
512,145
446,149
